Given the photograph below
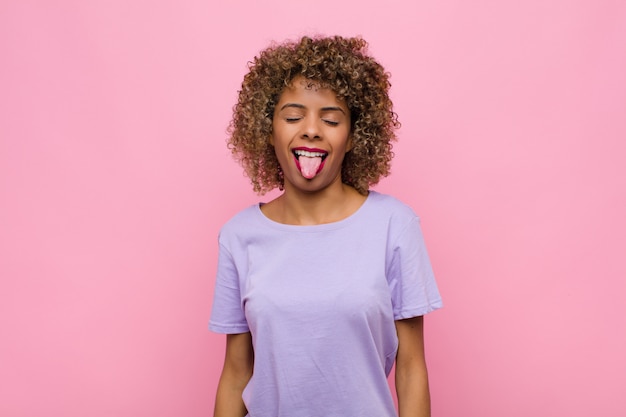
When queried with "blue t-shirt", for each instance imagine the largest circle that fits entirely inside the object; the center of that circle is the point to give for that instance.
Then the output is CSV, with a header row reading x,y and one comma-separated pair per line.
x,y
320,302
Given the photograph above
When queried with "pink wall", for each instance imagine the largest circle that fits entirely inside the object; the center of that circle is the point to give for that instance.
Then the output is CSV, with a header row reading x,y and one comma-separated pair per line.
x,y
114,181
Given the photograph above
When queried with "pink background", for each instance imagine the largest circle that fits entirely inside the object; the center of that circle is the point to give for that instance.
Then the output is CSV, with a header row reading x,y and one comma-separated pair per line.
x,y
115,179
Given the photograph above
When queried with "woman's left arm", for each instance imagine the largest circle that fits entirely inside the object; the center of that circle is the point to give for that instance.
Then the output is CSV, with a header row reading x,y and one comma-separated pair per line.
x,y
411,373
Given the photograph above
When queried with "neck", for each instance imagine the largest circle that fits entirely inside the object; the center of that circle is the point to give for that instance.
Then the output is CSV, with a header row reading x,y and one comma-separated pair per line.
x,y
330,205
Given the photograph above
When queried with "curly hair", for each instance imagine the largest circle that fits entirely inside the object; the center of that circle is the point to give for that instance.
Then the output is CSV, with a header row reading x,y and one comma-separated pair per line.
x,y
340,64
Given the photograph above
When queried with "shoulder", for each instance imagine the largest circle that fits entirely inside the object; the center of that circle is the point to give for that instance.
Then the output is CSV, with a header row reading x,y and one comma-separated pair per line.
x,y
241,223
399,219
394,208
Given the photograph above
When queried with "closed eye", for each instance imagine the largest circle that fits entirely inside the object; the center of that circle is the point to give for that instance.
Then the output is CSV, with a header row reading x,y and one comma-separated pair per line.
x,y
331,122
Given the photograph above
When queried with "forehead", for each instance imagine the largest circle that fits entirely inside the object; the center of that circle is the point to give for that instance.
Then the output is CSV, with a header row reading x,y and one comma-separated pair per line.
x,y
301,88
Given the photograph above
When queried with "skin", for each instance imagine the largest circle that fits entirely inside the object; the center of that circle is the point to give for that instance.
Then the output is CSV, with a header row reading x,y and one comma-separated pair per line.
x,y
313,117
236,373
411,373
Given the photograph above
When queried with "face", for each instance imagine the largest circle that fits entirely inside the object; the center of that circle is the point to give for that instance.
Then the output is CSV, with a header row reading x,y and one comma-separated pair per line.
x,y
311,135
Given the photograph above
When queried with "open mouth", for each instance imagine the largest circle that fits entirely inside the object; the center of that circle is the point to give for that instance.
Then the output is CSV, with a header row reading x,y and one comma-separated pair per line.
x,y
309,161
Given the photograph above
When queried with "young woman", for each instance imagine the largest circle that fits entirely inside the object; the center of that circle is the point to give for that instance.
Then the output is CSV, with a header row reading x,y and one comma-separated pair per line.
x,y
322,289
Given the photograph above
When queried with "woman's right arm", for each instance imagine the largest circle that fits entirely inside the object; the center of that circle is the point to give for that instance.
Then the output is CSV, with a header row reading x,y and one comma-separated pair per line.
x,y
235,375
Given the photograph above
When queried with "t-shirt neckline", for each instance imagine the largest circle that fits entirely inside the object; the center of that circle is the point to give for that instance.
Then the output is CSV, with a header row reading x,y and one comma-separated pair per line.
x,y
316,227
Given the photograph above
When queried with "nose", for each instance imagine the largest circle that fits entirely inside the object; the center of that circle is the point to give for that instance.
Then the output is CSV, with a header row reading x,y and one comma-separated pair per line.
x,y
311,129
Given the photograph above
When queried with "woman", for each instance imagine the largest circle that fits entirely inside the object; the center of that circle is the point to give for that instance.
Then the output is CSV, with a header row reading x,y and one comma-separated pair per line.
x,y
321,289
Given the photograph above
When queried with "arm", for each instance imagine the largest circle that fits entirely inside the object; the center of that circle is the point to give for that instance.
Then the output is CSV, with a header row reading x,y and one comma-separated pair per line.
x,y
411,373
235,375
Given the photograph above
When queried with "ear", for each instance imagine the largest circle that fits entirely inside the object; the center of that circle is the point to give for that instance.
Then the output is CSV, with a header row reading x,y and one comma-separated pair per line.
x,y
270,139
350,143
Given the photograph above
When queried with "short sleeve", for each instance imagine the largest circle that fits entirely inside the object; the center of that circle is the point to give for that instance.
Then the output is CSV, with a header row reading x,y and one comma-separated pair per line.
x,y
410,276
227,315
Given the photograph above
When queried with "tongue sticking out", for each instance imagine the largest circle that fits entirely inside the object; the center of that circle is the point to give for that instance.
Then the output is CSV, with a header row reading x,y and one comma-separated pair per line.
x,y
309,165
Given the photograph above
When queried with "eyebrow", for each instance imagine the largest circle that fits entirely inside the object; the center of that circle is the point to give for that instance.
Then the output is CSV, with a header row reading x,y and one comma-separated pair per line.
x,y
301,106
